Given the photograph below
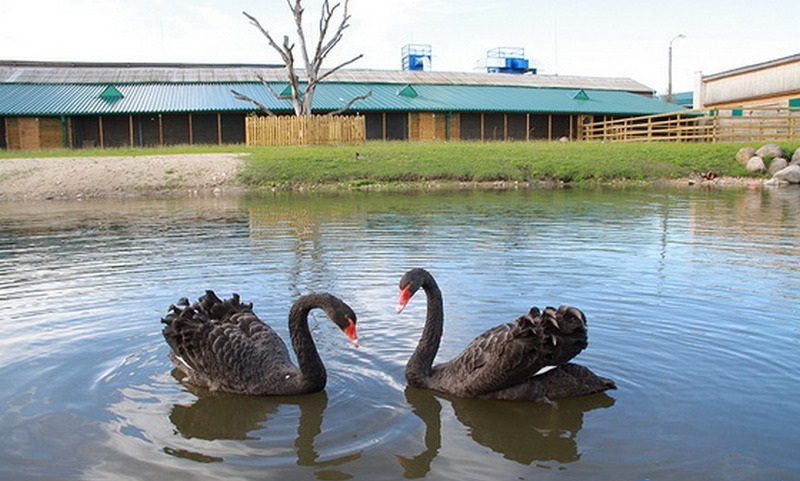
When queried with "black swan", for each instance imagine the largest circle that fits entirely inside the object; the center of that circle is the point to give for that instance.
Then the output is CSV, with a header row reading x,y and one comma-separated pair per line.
x,y
506,361
224,346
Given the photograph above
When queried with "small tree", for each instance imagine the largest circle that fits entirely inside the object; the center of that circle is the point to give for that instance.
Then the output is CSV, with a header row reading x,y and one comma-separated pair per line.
x,y
302,93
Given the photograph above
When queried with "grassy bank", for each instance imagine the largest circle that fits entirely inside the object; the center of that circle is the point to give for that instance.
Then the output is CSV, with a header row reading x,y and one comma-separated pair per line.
x,y
388,162
486,162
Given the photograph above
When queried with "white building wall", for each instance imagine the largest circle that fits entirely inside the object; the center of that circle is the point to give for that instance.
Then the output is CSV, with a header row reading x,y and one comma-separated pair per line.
x,y
750,86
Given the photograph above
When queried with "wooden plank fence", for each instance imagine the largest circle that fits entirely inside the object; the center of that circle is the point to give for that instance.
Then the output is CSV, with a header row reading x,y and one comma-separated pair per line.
x,y
730,125
312,130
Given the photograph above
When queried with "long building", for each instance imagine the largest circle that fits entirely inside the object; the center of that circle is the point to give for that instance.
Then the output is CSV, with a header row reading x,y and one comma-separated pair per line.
x,y
76,105
766,85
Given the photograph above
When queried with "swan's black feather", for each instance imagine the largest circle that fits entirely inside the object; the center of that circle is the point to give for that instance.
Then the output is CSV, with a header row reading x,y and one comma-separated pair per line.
x,y
224,346
502,362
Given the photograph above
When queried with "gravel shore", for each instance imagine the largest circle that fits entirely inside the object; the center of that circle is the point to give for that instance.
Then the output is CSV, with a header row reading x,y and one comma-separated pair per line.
x,y
87,177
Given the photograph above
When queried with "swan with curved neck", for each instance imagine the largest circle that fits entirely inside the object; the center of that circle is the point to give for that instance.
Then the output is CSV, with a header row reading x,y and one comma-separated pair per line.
x,y
224,346
507,361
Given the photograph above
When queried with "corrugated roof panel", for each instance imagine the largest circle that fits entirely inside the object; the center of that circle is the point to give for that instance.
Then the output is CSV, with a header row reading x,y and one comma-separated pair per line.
x,y
72,99
65,72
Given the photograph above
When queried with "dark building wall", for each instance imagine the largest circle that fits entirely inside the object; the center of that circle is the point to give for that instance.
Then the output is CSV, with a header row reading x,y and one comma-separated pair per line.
x,y
470,126
204,129
175,128
540,127
85,132
232,126
3,142
396,126
116,131
374,126
561,126
145,131
517,127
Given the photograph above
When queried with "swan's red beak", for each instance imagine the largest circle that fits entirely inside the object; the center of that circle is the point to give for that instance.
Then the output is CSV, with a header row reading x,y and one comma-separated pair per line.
x,y
350,332
405,296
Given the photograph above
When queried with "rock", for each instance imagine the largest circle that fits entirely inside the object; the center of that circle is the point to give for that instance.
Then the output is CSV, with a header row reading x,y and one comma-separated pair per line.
x,y
790,174
770,151
756,164
745,154
796,157
778,163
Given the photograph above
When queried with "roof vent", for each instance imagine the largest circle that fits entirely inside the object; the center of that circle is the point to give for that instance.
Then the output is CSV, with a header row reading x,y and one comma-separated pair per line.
x,y
408,91
286,93
111,94
581,95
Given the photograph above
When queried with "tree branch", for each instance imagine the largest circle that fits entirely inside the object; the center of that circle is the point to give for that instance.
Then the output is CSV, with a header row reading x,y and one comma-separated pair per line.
x,y
338,67
258,104
351,102
284,55
323,50
297,11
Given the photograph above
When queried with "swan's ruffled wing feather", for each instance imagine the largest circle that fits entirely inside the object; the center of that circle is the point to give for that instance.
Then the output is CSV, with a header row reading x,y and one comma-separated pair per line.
x,y
510,353
221,344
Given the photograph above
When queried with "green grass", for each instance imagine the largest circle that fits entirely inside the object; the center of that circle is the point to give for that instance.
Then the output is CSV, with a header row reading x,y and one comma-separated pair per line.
x,y
387,162
393,162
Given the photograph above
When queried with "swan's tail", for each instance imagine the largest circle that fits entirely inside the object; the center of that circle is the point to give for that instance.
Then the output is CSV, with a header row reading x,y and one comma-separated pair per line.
x,y
184,324
563,332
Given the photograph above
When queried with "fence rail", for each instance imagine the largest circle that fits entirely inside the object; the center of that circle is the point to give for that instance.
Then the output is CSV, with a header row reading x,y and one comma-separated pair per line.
x,y
314,130
734,125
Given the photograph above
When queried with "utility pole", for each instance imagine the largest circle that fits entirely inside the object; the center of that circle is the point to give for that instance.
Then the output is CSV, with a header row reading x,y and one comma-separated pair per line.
x,y
669,73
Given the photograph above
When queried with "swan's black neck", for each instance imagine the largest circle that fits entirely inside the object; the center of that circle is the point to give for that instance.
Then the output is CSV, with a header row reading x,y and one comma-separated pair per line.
x,y
308,360
419,366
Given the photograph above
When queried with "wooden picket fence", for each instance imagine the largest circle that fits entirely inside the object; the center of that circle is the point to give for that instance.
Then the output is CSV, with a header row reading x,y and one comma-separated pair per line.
x,y
312,130
731,125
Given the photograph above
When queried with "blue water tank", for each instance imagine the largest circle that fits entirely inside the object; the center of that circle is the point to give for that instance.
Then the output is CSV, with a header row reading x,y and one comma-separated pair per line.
x,y
517,64
416,62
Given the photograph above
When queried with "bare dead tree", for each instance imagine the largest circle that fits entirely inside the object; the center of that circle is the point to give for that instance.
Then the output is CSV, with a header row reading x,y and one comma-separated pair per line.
x,y
301,91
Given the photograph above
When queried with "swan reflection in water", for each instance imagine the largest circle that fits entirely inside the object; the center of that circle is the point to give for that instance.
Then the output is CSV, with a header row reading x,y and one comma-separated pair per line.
x,y
519,431
222,416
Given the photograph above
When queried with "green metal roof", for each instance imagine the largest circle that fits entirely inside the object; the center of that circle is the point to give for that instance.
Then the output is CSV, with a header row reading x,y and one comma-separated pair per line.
x,y
28,99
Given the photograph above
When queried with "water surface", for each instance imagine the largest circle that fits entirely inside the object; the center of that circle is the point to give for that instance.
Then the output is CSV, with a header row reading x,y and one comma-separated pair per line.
x,y
691,298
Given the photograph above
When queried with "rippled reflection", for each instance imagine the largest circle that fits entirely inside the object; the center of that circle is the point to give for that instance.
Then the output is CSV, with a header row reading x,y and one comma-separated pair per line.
x,y
216,416
522,432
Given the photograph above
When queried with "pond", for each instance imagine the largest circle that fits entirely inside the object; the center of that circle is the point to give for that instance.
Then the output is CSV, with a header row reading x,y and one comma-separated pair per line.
x,y
691,298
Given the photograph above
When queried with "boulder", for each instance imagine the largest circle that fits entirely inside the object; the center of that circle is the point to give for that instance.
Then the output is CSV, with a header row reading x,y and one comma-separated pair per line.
x,y
745,154
790,174
778,163
756,164
795,157
770,151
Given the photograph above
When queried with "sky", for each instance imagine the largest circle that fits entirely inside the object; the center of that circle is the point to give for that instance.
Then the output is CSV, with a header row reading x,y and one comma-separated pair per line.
x,y
610,38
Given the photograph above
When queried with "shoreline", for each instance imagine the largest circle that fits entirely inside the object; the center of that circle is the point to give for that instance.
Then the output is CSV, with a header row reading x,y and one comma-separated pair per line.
x,y
51,178
75,178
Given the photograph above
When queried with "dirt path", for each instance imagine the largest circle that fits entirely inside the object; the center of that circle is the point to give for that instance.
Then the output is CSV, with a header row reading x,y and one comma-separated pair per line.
x,y
83,177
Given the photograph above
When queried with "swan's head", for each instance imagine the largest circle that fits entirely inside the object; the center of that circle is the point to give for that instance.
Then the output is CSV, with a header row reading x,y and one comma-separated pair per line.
x,y
343,316
347,323
410,284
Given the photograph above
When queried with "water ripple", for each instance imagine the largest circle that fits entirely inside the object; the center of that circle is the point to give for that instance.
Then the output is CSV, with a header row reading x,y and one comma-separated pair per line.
x,y
691,300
